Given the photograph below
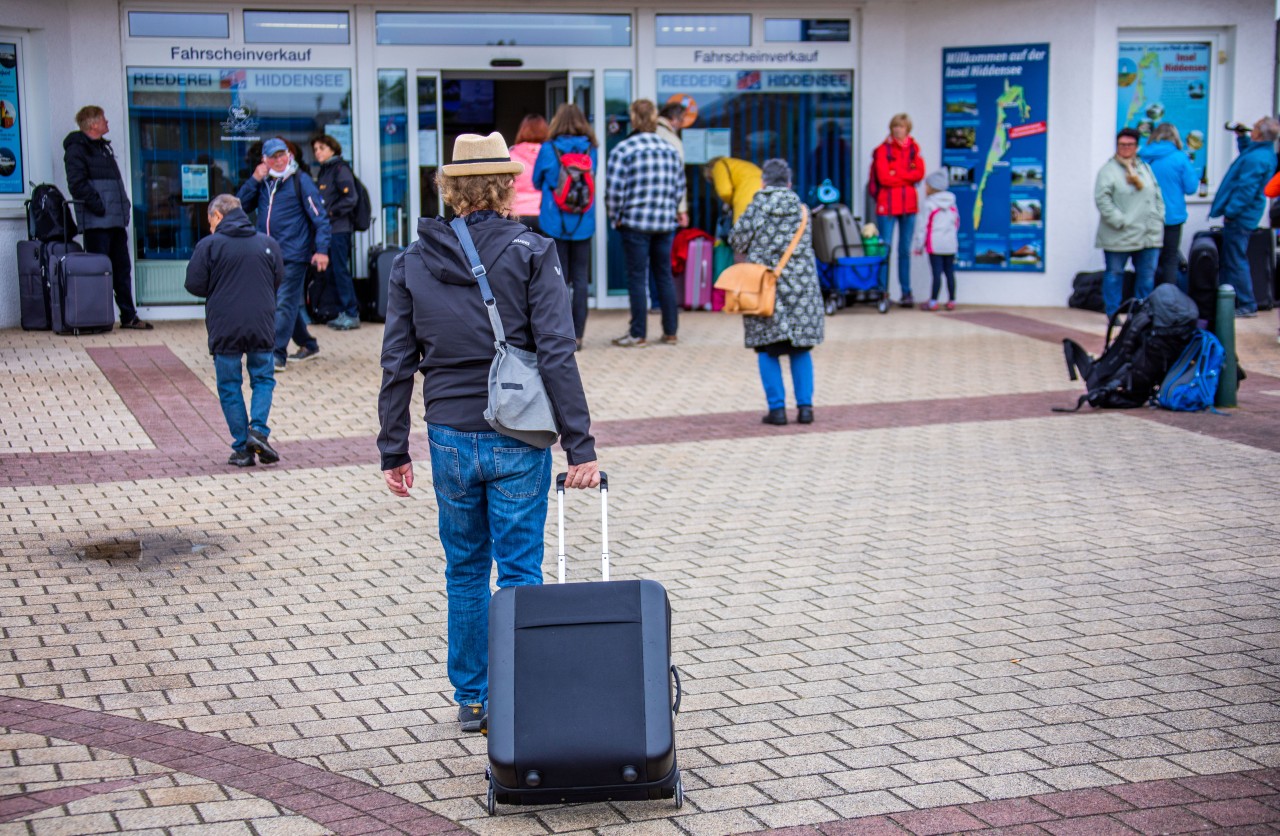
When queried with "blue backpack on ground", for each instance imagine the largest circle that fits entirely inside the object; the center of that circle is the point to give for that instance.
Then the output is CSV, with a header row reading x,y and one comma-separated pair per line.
x,y
1192,382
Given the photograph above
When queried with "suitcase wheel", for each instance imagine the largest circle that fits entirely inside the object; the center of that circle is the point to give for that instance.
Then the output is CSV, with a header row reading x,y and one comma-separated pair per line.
x,y
832,305
491,803
679,792
883,305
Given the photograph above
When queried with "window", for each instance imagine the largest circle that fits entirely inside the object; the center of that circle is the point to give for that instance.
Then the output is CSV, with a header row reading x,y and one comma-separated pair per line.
x,y
468,29
393,152
1165,82
178,25
796,30
197,132
11,173
296,28
704,30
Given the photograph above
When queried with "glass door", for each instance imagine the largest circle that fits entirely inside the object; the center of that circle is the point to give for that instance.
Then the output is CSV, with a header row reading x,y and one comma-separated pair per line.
x,y
428,143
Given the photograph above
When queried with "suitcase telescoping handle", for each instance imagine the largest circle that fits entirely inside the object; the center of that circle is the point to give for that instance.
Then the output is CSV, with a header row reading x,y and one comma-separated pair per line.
x,y
604,525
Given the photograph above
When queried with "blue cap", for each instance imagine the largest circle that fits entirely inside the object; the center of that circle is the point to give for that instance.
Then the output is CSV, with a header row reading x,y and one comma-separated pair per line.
x,y
273,146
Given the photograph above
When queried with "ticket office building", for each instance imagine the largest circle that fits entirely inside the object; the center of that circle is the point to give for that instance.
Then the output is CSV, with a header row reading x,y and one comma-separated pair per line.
x,y
195,88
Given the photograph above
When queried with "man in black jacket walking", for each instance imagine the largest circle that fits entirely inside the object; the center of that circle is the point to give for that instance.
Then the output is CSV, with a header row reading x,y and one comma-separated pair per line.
x,y
93,178
238,270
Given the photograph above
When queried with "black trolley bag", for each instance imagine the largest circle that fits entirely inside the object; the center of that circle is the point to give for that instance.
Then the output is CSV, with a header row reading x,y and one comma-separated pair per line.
x,y
81,294
602,648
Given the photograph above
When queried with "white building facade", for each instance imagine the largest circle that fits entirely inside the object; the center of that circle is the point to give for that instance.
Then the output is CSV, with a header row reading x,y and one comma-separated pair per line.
x,y
1020,98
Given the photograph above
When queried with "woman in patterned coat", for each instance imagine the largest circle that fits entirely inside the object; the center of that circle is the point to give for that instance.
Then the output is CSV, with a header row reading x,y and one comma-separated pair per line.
x,y
763,232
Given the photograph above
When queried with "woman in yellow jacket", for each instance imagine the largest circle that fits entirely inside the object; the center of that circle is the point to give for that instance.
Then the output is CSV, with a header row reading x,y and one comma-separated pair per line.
x,y
735,181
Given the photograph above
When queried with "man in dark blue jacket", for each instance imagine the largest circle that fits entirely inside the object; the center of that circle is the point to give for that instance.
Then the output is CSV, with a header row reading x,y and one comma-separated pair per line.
x,y
290,210
1241,202
238,270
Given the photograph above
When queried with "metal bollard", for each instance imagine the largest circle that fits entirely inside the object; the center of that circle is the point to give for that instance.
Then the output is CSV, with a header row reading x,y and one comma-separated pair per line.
x,y
1224,328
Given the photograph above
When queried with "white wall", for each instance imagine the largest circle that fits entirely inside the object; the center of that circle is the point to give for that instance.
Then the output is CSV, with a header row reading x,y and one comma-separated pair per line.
x,y
1082,37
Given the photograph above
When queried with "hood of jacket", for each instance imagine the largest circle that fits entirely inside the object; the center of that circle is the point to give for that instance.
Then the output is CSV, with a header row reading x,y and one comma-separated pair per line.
x,y
80,138
941,200
1158,151
236,224
571,144
491,233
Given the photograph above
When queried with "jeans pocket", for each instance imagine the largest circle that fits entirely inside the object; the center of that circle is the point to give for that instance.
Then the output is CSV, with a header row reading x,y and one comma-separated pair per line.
x,y
446,470
522,471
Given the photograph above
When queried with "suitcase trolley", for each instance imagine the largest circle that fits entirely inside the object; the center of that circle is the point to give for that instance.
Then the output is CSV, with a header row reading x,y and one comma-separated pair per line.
x,y
849,269
603,649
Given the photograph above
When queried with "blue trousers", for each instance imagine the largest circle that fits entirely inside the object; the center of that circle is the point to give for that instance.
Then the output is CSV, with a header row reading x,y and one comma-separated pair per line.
x,y
1144,266
290,323
644,252
340,263
1234,268
775,392
906,230
491,491
262,381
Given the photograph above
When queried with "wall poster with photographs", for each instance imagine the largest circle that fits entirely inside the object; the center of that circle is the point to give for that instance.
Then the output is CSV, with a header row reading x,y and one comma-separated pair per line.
x,y
995,107
11,178
1167,82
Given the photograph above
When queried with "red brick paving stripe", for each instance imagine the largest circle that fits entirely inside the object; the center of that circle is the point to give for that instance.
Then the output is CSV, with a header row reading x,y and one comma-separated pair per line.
x,y
169,401
21,805
304,789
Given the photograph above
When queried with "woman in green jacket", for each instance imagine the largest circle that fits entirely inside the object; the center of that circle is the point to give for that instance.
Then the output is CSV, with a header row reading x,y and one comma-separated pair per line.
x,y
1131,224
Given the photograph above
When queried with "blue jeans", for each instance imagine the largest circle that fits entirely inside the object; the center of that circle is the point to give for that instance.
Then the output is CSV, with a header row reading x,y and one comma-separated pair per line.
x,y
262,381
775,393
289,320
1144,266
340,264
906,229
1234,269
943,265
644,252
492,494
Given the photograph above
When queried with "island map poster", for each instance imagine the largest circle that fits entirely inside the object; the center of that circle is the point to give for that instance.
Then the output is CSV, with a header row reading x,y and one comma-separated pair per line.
x,y
1166,82
995,110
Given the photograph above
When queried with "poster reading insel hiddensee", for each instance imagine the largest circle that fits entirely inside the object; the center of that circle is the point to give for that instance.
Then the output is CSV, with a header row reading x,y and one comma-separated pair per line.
x,y
995,108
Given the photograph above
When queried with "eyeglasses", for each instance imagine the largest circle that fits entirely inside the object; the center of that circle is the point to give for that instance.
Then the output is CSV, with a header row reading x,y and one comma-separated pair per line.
x,y
1127,144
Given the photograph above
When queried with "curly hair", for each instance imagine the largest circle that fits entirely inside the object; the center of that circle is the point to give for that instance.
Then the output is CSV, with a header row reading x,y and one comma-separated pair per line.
x,y
472,193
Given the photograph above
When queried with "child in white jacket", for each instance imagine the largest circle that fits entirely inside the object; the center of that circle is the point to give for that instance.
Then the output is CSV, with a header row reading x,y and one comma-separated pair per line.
x,y
937,236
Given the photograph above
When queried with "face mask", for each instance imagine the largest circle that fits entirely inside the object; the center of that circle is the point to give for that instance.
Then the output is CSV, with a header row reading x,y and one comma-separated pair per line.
x,y
285,173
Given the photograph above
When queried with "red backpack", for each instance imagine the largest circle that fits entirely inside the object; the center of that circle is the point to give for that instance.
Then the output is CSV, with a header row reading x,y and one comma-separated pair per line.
x,y
576,189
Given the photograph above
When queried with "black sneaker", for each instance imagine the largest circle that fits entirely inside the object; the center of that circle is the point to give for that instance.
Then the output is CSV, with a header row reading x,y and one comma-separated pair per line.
x,y
304,354
471,717
241,458
258,444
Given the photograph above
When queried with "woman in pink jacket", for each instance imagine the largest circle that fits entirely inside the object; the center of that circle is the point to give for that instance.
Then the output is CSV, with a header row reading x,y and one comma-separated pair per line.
x,y
529,139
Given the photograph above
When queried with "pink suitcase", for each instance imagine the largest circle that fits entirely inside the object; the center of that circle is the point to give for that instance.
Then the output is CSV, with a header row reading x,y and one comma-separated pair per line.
x,y
696,294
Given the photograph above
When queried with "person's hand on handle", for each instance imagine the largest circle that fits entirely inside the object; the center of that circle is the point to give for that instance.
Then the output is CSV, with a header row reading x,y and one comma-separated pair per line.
x,y
400,479
585,475
321,261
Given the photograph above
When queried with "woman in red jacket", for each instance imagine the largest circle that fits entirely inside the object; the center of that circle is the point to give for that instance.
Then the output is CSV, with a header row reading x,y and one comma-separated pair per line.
x,y
896,167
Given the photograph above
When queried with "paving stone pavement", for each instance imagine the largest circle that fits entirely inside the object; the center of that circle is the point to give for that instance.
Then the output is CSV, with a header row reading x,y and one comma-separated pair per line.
x,y
941,608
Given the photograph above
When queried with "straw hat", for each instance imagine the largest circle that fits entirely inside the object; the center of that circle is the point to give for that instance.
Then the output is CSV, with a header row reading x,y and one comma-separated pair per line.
x,y
474,154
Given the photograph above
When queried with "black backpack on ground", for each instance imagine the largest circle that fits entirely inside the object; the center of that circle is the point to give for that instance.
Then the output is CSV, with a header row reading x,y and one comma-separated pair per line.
x,y
1154,333
49,216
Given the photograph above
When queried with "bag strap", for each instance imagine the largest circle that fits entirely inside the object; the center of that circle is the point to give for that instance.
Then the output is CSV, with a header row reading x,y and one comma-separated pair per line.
x,y
804,222
482,278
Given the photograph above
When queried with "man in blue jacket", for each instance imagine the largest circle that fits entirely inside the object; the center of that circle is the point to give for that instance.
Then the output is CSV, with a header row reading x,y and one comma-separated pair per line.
x,y
290,210
238,269
1241,202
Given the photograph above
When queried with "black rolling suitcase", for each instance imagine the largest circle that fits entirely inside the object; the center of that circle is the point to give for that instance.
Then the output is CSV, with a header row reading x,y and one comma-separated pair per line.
x,y
1202,273
1262,266
33,288
605,650
1261,254
82,300
371,293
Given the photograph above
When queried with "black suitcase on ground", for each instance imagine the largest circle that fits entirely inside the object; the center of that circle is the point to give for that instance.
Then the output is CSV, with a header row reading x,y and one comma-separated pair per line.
x,y
372,292
1202,273
33,288
602,648
81,297
1261,253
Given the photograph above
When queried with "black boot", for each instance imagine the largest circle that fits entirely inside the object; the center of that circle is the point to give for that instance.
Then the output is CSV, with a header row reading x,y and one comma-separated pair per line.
x,y
804,415
241,458
777,417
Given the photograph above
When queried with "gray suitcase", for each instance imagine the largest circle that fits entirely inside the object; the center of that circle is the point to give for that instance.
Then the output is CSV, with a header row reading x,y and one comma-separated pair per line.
x,y
81,297
33,288
835,233
602,648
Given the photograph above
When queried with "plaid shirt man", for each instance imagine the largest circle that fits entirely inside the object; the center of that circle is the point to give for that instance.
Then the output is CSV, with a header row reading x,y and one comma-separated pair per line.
x,y
646,184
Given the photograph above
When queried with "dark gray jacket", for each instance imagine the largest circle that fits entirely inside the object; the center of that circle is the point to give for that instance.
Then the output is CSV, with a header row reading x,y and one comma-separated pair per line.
x,y
437,324
238,270
337,186
94,177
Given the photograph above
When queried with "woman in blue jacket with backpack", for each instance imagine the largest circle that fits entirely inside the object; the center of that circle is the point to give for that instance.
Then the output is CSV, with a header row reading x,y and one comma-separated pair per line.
x,y
568,212
1176,178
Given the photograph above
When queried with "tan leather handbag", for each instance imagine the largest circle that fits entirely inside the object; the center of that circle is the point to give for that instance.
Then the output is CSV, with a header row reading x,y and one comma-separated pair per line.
x,y
752,289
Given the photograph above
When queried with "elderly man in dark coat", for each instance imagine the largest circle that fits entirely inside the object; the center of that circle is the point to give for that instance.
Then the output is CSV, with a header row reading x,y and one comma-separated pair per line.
x,y
238,269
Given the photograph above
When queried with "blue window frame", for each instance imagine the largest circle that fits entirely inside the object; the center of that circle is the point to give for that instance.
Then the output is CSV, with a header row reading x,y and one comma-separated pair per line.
x,y
297,28
178,25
